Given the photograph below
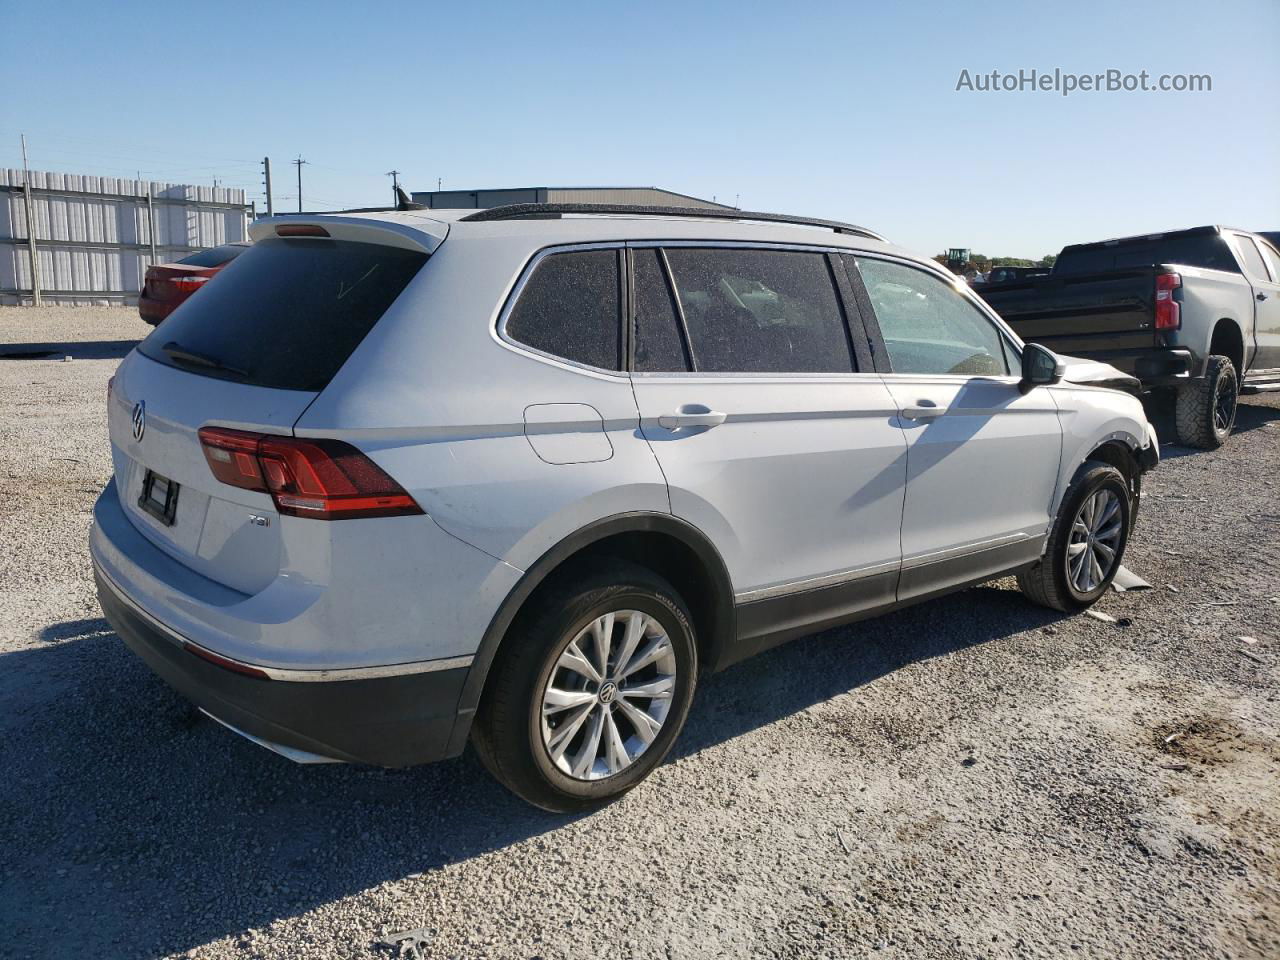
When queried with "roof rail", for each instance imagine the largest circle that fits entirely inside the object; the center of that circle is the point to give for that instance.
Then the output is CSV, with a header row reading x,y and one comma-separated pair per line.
x,y
522,211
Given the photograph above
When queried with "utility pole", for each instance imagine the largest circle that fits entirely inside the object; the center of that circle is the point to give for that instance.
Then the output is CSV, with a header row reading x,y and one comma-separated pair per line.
x,y
298,163
31,228
266,179
395,186
439,181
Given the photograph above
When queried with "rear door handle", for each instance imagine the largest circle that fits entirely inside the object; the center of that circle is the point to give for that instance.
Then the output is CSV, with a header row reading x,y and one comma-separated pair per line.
x,y
1262,296
692,415
923,410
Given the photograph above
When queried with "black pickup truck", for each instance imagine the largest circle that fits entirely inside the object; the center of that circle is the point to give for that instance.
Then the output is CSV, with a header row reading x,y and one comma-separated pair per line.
x,y
1197,310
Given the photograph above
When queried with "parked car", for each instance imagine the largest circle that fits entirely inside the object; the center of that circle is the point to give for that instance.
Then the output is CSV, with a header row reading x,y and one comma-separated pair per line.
x,y
1006,274
402,481
167,285
1195,310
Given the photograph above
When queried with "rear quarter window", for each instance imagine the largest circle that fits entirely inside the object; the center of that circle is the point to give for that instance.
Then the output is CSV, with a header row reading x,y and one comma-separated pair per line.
x,y
571,307
287,313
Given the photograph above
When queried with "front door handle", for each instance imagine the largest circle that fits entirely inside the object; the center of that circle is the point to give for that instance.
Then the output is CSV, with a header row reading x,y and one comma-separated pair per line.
x,y
923,410
692,415
1262,296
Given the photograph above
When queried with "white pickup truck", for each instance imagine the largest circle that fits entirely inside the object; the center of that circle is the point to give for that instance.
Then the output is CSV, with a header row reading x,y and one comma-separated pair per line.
x,y
1194,310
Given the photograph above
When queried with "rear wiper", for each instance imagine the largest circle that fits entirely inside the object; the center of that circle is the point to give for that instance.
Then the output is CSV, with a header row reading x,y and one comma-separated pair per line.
x,y
180,353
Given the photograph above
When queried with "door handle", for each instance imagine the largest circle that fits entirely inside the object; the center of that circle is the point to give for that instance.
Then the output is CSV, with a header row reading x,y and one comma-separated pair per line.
x,y
923,410
1262,296
692,415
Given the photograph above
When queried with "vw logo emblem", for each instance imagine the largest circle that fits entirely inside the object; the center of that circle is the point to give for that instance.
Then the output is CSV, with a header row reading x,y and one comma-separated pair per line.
x,y
139,419
608,692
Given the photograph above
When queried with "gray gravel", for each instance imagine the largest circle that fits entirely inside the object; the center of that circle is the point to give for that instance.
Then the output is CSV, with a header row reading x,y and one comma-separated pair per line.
x,y
974,777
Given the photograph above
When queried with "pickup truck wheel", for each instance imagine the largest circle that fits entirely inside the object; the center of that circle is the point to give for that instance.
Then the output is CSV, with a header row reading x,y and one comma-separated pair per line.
x,y
1206,408
589,696
1086,544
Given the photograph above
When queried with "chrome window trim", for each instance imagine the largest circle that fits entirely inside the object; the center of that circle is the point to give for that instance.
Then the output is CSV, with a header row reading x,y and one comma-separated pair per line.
x,y
499,328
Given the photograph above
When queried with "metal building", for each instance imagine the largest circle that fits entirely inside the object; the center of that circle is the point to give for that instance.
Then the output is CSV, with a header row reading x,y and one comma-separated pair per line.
x,y
650,196
96,236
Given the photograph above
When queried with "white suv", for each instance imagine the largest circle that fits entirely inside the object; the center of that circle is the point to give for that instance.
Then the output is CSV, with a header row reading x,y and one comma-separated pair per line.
x,y
399,480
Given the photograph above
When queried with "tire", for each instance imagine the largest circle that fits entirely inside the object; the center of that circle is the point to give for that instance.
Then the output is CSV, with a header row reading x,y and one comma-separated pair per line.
x,y
1052,581
1205,409
519,746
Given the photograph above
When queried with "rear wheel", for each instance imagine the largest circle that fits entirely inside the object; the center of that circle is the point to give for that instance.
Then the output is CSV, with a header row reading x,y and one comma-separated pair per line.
x,y
1087,542
1205,409
590,690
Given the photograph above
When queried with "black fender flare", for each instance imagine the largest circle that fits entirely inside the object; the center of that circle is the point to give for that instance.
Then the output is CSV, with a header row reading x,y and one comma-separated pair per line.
x,y
637,522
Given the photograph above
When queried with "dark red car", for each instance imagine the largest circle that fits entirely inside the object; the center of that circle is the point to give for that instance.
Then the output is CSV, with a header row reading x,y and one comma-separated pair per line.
x,y
168,284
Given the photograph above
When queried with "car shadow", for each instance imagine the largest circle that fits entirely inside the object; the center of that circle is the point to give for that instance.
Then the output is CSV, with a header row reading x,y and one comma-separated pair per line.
x,y
131,819
76,349
1251,413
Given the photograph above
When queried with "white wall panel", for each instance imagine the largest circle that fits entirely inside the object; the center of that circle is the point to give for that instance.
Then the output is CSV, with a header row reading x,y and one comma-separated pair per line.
x,y
93,234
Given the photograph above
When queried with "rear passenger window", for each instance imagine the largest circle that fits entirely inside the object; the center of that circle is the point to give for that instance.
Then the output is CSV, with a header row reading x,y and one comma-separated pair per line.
x,y
928,327
570,308
752,311
659,347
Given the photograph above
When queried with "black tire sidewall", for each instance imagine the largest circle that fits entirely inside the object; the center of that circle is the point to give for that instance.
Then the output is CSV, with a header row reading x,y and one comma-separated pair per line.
x,y
1094,478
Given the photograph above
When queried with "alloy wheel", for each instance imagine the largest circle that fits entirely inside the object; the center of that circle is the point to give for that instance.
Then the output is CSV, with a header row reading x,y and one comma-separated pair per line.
x,y
608,695
1095,540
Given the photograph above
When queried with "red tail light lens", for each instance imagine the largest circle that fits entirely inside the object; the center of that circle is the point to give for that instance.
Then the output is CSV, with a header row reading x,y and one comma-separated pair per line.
x,y
301,230
189,283
1168,310
321,479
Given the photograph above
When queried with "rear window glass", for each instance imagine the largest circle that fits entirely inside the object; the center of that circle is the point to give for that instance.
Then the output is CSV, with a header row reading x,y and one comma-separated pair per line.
x,y
215,257
287,314
1205,250
571,307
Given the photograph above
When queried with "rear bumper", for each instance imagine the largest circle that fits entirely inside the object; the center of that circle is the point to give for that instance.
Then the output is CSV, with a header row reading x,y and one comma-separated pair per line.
x,y
153,311
392,721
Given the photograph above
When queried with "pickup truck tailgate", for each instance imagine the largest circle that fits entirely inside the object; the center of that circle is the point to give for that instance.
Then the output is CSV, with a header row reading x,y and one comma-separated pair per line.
x,y
1083,314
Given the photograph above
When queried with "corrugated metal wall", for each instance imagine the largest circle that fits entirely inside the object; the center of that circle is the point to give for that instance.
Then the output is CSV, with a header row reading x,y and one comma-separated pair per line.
x,y
93,234
644,196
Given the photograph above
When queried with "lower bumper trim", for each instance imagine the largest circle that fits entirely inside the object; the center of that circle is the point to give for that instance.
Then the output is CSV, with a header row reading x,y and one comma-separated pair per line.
x,y
289,753
393,721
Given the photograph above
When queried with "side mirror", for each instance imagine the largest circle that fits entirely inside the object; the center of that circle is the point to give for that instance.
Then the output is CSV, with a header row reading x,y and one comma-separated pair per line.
x,y
1040,367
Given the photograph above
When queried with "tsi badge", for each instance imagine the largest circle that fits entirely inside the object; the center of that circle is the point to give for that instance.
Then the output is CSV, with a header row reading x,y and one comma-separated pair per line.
x,y
259,521
139,419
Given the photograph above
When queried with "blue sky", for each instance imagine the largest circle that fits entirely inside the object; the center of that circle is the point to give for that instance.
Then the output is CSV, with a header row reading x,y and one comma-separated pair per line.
x,y
845,110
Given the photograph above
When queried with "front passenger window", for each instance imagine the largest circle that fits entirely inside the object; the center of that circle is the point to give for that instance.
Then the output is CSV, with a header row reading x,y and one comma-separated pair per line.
x,y
928,326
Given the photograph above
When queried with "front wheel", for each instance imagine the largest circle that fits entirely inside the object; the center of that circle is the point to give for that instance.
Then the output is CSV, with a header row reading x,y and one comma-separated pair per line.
x,y
1086,544
590,689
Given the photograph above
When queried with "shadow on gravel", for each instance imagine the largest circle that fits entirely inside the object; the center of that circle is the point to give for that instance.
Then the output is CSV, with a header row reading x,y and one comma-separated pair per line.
x,y
76,349
128,818
1250,415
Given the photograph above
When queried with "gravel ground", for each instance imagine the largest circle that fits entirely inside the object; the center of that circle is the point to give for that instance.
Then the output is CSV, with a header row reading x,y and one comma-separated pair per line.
x,y
973,777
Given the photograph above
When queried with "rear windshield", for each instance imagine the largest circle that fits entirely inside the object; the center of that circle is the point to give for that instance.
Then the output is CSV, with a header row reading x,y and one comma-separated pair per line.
x,y
216,256
287,314
1204,250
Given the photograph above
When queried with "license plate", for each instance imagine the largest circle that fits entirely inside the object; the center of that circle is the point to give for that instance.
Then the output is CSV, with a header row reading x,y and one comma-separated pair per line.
x,y
159,497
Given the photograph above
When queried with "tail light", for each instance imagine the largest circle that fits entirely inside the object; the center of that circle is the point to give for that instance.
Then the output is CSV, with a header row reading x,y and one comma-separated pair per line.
x,y
189,283
321,479
1168,310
